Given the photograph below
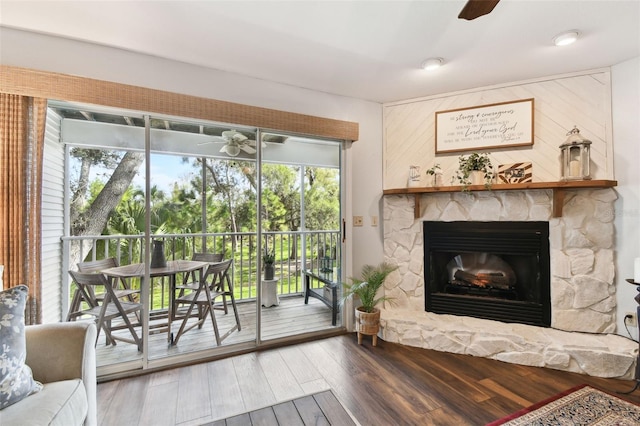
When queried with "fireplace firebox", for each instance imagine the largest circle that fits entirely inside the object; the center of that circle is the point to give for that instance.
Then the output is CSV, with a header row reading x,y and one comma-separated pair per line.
x,y
490,270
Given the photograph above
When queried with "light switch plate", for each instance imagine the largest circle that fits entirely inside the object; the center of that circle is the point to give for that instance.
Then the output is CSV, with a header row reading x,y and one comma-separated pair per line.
x,y
358,221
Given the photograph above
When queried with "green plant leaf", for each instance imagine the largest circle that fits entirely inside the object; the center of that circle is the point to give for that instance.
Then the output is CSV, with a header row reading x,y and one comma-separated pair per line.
x,y
367,285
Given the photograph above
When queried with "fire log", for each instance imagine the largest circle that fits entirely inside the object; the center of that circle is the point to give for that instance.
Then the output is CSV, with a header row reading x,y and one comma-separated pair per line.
x,y
491,279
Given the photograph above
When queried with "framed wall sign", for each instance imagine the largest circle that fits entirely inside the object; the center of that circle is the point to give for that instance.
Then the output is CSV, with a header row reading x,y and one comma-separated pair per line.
x,y
501,125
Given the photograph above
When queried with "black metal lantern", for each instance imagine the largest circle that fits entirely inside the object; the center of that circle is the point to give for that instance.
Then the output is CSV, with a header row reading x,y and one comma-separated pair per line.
x,y
576,157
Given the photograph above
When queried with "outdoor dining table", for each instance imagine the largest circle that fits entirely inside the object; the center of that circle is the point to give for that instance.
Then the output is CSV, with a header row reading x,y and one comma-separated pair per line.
x,y
172,268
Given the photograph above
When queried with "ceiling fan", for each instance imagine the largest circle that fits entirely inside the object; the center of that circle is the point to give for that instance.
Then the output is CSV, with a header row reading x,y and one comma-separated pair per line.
x,y
477,8
237,142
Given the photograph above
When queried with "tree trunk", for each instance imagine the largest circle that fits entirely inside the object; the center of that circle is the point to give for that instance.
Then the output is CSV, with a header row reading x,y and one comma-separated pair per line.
x,y
223,189
78,199
95,218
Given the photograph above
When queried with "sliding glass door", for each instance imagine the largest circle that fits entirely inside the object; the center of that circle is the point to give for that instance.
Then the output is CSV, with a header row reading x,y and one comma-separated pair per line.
x,y
265,205
300,220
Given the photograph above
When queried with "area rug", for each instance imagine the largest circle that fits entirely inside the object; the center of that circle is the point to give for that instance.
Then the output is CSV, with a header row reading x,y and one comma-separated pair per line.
x,y
582,405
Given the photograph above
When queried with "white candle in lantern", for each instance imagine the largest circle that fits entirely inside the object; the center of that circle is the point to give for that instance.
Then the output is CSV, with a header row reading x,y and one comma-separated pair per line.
x,y
636,270
574,168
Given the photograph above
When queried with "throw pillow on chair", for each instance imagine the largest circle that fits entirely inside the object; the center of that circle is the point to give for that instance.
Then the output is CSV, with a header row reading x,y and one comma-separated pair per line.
x,y
16,380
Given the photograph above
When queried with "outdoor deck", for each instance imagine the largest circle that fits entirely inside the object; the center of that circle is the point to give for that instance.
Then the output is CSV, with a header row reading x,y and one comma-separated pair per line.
x,y
290,318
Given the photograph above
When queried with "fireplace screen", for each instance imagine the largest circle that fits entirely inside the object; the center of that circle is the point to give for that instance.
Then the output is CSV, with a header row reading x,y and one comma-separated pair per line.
x,y
491,270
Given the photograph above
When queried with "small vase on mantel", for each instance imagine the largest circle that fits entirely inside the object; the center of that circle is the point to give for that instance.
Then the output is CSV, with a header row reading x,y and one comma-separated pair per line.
x,y
414,177
476,177
437,179
435,175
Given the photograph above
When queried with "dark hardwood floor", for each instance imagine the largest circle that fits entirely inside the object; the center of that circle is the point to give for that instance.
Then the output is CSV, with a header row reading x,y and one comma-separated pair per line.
x,y
385,385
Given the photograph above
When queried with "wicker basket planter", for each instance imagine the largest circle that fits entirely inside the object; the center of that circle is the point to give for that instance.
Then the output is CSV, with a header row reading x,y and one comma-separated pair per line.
x,y
366,288
368,323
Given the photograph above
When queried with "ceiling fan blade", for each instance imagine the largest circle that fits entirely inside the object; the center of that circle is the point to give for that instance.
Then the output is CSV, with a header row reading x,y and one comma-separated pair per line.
x,y
252,143
477,8
228,134
213,140
246,148
239,138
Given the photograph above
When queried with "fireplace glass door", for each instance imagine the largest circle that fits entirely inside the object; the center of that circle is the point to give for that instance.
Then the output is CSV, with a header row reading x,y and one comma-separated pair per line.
x,y
491,270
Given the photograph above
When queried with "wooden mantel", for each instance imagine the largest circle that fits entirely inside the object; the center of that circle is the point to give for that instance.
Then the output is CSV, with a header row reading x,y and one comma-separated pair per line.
x,y
557,187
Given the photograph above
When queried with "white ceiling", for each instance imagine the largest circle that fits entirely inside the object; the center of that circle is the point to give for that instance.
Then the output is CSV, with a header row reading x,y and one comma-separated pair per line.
x,y
363,49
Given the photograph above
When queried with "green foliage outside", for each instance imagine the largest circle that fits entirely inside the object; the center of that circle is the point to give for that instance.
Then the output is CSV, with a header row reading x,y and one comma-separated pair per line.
x,y
230,209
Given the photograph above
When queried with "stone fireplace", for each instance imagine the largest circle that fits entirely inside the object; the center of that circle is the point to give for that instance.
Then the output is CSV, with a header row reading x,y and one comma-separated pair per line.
x,y
581,282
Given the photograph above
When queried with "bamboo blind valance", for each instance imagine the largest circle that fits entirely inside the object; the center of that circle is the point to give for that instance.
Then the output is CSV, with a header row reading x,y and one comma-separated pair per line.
x,y
49,85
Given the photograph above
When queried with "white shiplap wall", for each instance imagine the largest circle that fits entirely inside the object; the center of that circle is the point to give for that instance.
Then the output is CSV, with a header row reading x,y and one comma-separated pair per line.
x,y
581,99
52,220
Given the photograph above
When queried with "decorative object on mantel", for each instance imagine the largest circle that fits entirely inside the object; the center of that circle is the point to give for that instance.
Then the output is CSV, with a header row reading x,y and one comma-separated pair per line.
x,y
515,173
476,169
436,174
414,177
366,288
575,157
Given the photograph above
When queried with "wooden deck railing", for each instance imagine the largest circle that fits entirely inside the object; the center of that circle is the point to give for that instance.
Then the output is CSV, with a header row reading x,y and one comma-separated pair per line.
x,y
293,250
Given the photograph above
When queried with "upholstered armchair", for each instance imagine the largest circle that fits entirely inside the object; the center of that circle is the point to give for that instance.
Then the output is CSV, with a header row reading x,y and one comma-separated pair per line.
x,y
62,358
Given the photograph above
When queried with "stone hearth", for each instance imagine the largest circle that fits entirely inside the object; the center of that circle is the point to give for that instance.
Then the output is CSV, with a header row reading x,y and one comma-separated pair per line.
x,y
583,300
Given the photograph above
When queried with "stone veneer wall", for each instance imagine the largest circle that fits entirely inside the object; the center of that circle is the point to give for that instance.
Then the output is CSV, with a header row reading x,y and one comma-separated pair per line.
x,y
582,282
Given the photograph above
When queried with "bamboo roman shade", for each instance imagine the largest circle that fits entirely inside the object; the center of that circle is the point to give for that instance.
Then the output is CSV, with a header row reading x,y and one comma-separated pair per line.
x,y
64,87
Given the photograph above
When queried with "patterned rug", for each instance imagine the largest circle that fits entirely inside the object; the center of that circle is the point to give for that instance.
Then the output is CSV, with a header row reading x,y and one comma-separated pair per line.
x,y
582,405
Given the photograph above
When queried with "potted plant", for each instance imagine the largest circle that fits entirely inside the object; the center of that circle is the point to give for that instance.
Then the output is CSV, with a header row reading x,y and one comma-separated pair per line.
x,y
475,169
366,289
269,259
436,173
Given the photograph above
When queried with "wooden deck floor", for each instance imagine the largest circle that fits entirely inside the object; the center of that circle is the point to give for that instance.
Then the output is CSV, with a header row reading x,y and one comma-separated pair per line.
x,y
291,317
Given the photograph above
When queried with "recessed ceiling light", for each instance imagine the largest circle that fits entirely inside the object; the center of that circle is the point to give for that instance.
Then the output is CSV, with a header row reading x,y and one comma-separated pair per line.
x,y
566,38
432,63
